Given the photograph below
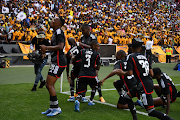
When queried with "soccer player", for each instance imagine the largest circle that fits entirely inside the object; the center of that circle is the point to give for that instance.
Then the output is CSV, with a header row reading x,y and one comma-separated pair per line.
x,y
165,90
125,82
88,72
138,65
76,47
86,38
168,92
57,66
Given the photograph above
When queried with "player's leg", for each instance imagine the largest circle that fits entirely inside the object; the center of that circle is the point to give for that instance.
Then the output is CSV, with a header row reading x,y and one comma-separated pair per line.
x,y
157,89
118,85
72,98
92,83
122,104
100,93
53,74
128,96
54,107
159,101
149,106
81,89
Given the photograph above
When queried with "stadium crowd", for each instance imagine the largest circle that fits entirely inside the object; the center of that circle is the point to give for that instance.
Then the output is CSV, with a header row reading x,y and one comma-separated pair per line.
x,y
113,22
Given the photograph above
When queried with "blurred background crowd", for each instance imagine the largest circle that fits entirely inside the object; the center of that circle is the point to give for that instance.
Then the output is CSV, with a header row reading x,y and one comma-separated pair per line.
x,y
113,22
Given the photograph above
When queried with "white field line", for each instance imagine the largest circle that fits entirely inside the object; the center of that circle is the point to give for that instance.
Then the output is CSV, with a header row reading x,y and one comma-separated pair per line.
x,y
109,104
177,84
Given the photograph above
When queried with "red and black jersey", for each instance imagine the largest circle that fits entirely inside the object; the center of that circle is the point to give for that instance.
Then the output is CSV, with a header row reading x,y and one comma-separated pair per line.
x,y
74,50
167,86
58,56
129,81
87,40
90,60
140,66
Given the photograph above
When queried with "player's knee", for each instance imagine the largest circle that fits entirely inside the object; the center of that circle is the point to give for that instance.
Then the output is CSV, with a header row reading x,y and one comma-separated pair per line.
x,y
121,106
127,95
150,111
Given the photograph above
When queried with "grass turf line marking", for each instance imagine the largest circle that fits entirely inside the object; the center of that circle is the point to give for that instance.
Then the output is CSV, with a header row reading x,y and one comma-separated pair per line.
x,y
109,104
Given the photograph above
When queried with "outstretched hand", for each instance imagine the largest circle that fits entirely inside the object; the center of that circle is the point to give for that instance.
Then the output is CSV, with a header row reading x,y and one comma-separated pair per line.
x,y
43,48
101,82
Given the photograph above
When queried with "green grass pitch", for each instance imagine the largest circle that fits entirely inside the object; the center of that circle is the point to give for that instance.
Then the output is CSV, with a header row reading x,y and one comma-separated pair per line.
x,y
18,102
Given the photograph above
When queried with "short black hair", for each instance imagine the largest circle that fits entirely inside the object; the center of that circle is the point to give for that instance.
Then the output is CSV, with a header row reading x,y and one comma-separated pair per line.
x,y
71,41
121,52
92,43
85,26
157,71
136,42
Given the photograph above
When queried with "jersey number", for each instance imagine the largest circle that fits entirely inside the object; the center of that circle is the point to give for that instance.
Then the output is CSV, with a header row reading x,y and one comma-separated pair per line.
x,y
88,57
144,65
53,69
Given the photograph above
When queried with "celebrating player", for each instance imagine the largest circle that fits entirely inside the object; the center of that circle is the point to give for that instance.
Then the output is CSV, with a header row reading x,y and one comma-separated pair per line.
x,y
86,38
125,82
88,76
138,65
75,49
57,66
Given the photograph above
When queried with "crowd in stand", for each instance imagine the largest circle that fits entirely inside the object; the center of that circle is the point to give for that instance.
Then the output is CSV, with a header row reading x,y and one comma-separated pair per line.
x,y
113,22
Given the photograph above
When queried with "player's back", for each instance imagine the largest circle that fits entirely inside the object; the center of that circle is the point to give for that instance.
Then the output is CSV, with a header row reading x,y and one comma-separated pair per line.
x,y
74,50
90,59
129,81
140,66
167,86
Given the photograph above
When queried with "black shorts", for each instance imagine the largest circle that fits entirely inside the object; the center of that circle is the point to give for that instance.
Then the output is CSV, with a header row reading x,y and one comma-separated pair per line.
x,y
120,83
164,99
75,70
55,70
145,98
83,82
122,100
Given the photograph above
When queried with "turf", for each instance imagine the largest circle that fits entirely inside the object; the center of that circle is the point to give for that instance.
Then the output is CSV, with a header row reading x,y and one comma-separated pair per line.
x,y
18,102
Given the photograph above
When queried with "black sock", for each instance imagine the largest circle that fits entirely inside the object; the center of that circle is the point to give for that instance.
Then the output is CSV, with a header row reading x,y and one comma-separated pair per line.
x,y
72,90
99,90
159,115
92,93
53,102
132,108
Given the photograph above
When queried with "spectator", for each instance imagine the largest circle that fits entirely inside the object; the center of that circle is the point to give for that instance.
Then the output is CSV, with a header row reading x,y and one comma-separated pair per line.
x,y
169,52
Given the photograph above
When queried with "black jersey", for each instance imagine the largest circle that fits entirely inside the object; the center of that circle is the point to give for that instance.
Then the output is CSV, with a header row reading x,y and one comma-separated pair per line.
x,y
74,50
58,56
129,81
87,40
167,86
90,59
37,43
140,66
